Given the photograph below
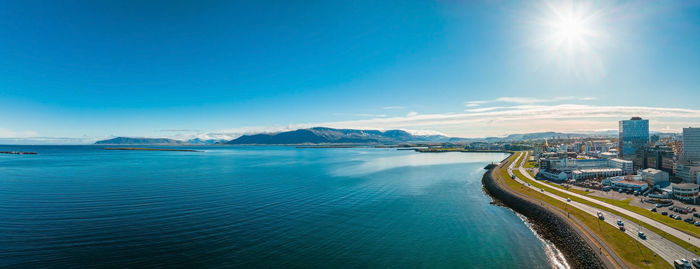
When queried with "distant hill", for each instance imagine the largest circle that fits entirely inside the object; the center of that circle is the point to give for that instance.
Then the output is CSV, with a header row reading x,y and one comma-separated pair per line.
x,y
139,141
321,135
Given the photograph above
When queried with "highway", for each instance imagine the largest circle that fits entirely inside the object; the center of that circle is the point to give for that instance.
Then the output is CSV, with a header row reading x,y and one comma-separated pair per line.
x,y
665,248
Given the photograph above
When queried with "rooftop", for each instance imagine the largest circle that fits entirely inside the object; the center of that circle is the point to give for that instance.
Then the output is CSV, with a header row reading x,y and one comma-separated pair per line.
x,y
630,182
685,185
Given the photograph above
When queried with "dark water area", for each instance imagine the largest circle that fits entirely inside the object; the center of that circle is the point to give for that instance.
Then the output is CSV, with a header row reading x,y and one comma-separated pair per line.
x,y
83,206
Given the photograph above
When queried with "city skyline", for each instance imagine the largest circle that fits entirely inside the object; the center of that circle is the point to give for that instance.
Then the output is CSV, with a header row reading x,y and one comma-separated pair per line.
x,y
80,72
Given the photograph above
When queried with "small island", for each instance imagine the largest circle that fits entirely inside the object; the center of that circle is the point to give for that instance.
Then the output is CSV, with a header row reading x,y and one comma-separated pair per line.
x,y
18,152
154,149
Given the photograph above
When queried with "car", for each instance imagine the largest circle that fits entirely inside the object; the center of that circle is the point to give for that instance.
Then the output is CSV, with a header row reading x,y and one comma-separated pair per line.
x,y
697,215
678,218
542,190
620,223
658,205
672,216
568,199
671,207
588,190
697,223
664,213
653,210
689,220
600,215
622,228
642,235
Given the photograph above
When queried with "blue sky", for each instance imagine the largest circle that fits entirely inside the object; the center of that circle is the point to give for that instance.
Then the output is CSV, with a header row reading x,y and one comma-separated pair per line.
x,y
96,69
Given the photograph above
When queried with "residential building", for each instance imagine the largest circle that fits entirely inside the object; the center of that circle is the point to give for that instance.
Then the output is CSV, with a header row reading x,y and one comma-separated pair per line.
x,y
633,138
655,177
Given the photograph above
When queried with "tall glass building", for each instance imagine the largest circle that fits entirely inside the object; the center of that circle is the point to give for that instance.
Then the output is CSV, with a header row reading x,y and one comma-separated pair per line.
x,y
634,138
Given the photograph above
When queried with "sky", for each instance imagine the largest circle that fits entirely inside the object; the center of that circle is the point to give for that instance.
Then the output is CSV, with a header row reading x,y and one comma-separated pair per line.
x,y
80,71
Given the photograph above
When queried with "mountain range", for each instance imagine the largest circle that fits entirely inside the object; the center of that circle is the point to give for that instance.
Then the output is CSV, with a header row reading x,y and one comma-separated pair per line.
x,y
324,135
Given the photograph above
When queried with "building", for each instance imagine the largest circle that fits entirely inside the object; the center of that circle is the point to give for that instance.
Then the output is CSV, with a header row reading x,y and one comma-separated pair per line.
x,y
691,144
632,185
633,138
687,170
597,146
655,177
626,166
596,173
660,157
608,155
554,175
686,192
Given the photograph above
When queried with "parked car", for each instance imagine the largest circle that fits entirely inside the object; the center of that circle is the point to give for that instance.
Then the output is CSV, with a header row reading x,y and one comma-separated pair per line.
x,y
697,215
689,220
664,213
697,223
678,218
653,210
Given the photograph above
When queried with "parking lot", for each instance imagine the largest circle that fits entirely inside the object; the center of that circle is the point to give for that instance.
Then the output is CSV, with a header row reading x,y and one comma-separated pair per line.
x,y
637,201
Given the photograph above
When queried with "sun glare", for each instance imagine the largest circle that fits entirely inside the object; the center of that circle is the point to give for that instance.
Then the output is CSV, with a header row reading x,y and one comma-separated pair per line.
x,y
569,33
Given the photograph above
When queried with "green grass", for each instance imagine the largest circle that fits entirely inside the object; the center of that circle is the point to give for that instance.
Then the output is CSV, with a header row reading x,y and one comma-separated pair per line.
x,y
668,236
633,254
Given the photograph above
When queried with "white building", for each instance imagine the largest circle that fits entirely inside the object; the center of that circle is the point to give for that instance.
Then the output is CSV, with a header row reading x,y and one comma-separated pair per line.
x,y
554,175
687,170
686,192
625,165
630,185
608,155
654,177
595,173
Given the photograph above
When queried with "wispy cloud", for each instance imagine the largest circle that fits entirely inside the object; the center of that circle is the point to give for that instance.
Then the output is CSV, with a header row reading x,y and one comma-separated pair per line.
x,y
363,115
179,130
393,107
527,100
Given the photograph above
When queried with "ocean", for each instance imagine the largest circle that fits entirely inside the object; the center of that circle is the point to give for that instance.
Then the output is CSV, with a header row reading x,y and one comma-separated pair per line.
x,y
251,207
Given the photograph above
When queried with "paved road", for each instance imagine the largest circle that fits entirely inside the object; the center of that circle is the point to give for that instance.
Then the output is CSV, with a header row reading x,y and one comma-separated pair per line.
x,y
665,248
692,239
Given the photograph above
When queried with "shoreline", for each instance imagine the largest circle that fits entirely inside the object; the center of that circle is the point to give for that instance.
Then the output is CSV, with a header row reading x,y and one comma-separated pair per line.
x,y
552,226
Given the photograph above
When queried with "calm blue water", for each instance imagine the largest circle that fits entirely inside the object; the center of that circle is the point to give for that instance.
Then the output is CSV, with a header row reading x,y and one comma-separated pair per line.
x,y
82,206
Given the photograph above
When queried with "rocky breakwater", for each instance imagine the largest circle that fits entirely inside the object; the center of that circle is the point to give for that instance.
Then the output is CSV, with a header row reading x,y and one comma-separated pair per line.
x,y
551,226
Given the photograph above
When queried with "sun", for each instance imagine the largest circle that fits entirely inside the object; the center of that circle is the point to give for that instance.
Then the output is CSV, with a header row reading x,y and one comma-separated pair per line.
x,y
571,36
569,27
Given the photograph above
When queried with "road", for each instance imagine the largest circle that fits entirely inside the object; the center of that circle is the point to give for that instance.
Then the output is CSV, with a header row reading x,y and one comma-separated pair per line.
x,y
665,248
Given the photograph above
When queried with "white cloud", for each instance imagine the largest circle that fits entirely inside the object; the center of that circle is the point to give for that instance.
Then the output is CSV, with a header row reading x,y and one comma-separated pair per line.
x,y
412,114
530,118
